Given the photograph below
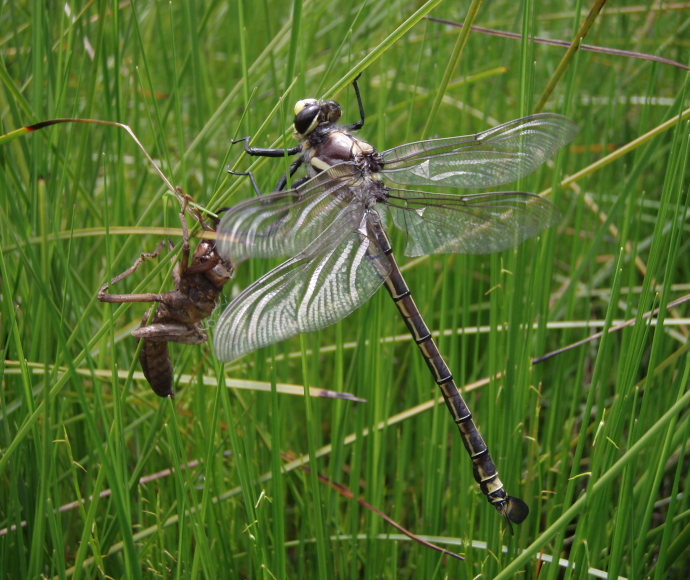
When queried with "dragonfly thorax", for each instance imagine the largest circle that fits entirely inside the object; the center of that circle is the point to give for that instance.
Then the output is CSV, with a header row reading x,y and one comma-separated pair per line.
x,y
339,146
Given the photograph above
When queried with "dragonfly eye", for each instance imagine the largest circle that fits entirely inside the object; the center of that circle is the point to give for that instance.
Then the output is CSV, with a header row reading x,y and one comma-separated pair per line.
x,y
303,104
306,116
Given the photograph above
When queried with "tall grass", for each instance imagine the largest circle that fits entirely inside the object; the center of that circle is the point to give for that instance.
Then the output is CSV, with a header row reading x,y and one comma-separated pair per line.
x,y
593,439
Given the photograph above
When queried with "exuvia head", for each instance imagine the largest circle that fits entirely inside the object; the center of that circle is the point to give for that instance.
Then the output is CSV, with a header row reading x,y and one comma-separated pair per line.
x,y
310,113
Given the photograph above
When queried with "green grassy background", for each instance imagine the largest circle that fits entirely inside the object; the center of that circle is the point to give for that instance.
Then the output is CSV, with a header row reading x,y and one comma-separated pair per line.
x,y
594,439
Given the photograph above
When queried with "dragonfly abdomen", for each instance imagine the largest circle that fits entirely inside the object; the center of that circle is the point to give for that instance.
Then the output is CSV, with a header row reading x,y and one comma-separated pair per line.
x,y
157,366
483,468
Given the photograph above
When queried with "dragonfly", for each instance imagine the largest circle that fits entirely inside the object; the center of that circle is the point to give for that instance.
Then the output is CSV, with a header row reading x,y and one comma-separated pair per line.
x,y
331,226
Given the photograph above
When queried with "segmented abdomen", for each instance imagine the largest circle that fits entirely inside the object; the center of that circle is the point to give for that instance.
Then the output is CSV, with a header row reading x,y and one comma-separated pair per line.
x,y
158,370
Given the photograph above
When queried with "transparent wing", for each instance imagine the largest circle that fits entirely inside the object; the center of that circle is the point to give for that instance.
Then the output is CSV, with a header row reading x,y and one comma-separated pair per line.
x,y
331,278
487,159
282,224
480,223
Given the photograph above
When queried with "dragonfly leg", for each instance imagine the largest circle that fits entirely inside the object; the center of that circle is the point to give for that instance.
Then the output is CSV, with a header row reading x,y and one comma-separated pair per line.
x,y
184,262
266,151
249,174
359,124
187,204
282,182
104,296
280,185
170,332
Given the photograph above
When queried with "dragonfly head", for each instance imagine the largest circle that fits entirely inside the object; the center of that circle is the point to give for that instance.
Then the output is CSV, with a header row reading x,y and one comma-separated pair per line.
x,y
311,113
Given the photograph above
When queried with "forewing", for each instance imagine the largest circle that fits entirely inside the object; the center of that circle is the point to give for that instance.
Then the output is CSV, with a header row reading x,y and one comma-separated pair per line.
x,y
481,223
282,224
494,157
331,278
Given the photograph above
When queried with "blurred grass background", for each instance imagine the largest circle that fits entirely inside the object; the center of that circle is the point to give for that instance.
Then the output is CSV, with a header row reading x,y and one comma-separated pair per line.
x,y
594,439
